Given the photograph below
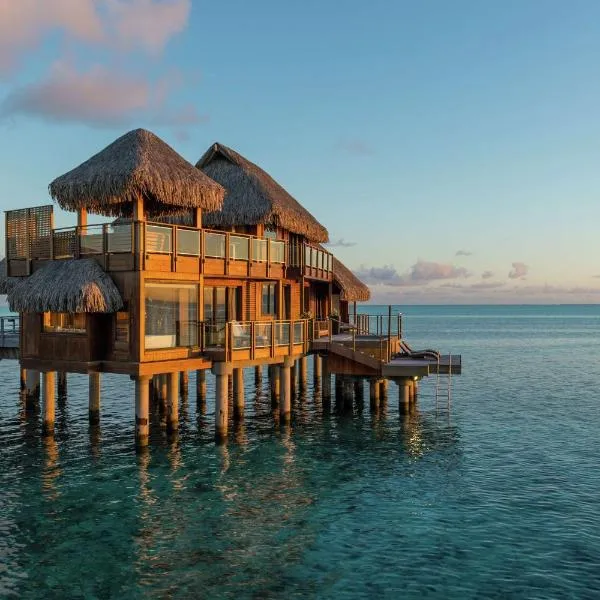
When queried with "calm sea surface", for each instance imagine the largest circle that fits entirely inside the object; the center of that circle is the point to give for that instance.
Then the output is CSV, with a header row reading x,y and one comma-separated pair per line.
x,y
498,497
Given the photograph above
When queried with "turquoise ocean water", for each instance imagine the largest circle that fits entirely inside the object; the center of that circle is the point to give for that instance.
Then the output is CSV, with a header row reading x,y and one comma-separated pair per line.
x,y
498,497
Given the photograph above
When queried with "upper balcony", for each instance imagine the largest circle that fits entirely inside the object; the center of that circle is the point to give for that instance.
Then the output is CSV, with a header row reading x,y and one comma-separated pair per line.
x,y
149,246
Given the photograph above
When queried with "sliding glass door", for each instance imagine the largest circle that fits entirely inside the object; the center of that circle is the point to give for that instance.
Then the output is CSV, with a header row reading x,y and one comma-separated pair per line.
x,y
221,304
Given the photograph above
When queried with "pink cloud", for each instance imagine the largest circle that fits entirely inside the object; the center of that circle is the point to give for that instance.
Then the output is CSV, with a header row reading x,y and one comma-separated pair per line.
x,y
98,97
24,22
147,24
519,270
421,273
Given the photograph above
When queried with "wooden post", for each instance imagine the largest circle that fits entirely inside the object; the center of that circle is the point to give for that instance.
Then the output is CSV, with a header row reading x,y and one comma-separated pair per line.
x,y
285,407
415,391
184,380
221,371
48,388
275,375
142,411
173,401
383,389
82,220
163,394
374,387
201,388
23,379
258,375
238,394
94,397
62,384
32,390
404,394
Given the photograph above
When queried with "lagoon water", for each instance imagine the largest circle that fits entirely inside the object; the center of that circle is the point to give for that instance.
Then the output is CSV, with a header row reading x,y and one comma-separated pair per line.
x,y
498,497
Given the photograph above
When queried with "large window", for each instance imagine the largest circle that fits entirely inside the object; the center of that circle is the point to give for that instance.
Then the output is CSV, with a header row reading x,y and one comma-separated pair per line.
x,y
64,322
268,299
171,315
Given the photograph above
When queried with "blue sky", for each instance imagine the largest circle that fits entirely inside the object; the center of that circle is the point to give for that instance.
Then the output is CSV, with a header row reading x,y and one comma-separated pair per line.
x,y
451,147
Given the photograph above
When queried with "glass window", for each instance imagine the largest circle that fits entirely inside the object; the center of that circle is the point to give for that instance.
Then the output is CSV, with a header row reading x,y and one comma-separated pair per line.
x,y
268,299
188,242
171,315
158,239
64,322
270,233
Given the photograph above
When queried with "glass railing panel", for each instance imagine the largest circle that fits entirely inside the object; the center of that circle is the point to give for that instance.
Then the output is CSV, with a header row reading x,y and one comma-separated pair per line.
x,y
330,262
259,250
282,334
241,335
214,335
118,238
214,245
298,332
315,258
238,247
159,239
307,256
263,335
90,239
188,242
277,251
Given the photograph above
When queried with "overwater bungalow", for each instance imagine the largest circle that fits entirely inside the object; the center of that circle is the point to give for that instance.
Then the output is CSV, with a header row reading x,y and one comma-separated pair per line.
x,y
214,267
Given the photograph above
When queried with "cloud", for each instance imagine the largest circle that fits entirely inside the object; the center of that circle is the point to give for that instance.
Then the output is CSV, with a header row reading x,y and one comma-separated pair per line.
x,y
463,253
98,97
145,25
342,243
421,273
487,274
355,146
519,270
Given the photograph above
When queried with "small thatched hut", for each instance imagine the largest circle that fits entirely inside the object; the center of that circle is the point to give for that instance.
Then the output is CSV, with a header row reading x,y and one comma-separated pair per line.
x,y
253,197
138,164
66,286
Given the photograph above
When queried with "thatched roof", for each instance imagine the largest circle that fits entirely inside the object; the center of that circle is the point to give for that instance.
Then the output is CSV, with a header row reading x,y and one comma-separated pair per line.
x,y
6,283
138,162
253,197
352,288
73,286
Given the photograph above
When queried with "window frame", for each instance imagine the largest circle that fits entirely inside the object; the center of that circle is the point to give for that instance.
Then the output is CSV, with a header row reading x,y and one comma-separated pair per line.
x,y
47,326
271,304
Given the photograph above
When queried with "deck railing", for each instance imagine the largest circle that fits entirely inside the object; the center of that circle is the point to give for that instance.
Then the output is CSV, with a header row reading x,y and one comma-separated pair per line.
x,y
256,339
314,261
9,330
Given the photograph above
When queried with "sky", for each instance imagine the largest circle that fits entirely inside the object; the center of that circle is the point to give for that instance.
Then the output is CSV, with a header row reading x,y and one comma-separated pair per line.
x,y
451,148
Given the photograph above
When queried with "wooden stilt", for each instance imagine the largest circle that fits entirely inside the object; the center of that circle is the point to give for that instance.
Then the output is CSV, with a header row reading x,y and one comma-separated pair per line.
x,y
374,387
142,411
404,394
326,380
33,385
258,375
275,374
317,367
22,379
201,389
49,407
285,407
172,401
238,394
94,397
222,374
184,380
62,384
303,372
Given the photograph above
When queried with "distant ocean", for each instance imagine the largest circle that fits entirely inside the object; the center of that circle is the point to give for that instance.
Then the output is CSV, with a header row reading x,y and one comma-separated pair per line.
x,y
494,496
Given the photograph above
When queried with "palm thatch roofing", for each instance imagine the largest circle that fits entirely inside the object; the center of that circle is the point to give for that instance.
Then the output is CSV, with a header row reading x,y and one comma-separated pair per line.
x,y
6,283
73,286
352,289
253,197
138,163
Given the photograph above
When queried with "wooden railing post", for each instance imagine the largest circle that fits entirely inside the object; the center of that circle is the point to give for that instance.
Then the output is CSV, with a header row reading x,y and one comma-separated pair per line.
x,y
227,253
291,341
272,339
173,248
252,340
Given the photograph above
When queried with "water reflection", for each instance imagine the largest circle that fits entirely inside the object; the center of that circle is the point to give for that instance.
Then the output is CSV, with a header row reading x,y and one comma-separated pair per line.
x,y
51,469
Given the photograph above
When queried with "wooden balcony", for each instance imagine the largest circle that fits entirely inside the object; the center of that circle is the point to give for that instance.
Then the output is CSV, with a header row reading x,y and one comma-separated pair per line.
x,y
311,261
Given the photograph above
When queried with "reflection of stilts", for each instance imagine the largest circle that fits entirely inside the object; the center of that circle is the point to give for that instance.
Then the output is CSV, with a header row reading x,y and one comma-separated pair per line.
x,y
51,468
